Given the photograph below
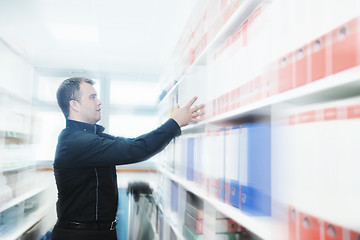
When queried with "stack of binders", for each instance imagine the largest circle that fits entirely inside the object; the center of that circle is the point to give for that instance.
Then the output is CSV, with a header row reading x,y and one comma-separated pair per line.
x,y
219,227
248,168
194,215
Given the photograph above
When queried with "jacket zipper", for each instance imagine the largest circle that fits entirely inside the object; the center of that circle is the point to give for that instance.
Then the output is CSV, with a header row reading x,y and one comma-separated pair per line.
x,y
97,194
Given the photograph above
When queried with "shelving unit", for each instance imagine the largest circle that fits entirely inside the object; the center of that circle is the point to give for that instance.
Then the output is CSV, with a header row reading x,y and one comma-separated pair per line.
x,y
19,168
22,221
341,85
171,221
275,90
22,188
27,223
21,198
264,227
247,6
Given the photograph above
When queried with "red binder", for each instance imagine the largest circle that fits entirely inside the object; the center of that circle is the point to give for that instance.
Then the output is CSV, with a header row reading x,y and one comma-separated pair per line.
x,y
345,46
318,58
332,232
301,66
354,235
292,223
309,227
286,73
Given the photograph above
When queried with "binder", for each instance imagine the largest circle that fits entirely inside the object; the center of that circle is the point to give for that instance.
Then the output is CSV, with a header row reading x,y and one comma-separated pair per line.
x,y
189,235
207,159
226,225
286,73
318,58
271,78
309,227
190,159
226,102
181,158
215,151
198,159
194,201
220,163
333,232
197,213
232,158
345,46
233,99
301,66
181,205
258,87
222,226
256,190
243,160
218,226
171,155
354,235
194,225
174,196
292,223
228,151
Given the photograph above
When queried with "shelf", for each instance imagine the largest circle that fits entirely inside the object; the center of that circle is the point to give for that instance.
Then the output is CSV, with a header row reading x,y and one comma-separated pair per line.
x,y
29,221
21,198
244,10
344,84
169,218
264,227
18,168
7,93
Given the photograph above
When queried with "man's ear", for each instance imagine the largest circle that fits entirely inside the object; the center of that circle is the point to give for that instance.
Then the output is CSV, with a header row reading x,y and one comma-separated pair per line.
x,y
74,105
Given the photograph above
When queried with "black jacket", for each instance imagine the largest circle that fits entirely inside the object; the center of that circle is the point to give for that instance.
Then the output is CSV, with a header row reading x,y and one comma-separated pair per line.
x,y
85,172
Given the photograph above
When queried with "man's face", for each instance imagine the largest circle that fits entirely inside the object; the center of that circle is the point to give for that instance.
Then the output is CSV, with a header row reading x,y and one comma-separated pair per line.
x,y
90,105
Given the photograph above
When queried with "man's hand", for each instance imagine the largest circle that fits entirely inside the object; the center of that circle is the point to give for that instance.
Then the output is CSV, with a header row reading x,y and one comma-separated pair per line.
x,y
185,115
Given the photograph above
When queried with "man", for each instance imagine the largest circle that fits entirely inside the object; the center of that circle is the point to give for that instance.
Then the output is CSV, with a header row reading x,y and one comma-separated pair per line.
x,y
86,157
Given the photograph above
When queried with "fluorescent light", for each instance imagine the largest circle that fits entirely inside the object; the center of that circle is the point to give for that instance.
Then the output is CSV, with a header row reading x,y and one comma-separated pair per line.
x,y
74,32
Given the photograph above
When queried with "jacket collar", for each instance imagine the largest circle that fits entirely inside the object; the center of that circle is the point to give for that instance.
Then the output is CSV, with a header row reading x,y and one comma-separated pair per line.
x,y
86,127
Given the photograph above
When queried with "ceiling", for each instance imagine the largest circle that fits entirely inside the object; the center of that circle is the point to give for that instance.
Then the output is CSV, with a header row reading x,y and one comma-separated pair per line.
x,y
116,37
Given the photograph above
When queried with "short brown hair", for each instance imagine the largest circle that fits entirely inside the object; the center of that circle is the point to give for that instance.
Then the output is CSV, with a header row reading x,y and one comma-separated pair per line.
x,y
68,90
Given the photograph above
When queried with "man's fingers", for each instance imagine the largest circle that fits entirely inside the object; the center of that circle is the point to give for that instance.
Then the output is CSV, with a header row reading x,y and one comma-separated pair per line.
x,y
196,108
196,114
191,102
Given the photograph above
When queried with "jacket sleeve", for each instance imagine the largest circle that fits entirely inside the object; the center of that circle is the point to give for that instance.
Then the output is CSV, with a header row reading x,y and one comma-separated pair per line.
x,y
82,149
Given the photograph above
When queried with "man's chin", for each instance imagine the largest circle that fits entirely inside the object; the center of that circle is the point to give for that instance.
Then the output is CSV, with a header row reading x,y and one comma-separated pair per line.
x,y
98,119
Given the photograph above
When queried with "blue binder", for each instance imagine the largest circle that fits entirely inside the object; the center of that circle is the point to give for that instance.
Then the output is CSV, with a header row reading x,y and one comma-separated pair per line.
x,y
256,193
